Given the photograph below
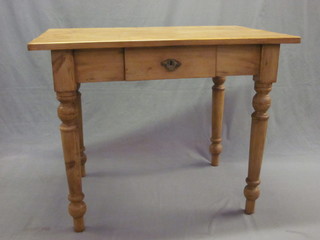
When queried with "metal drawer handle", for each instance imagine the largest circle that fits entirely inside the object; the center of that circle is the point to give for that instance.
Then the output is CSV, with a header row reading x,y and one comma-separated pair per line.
x,y
171,64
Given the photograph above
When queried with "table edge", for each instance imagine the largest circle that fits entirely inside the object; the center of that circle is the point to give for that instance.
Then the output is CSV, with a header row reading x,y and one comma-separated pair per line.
x,y
160,43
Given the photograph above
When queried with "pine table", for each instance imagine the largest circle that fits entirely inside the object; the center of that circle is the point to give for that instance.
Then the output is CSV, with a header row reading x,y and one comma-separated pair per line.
x,y
83,55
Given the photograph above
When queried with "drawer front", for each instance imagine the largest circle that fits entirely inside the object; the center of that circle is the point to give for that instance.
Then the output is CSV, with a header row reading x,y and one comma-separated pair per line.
x,y
99,65
170,62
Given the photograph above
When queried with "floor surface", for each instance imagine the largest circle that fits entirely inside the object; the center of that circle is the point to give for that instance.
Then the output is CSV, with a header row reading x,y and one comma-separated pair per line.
x,y
167,195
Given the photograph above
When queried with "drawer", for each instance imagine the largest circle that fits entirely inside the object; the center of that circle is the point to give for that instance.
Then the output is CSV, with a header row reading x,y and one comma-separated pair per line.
x,y
99,65
170,62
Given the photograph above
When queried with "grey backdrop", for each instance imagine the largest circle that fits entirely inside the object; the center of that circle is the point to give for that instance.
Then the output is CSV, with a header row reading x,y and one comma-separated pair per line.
x,y
147,142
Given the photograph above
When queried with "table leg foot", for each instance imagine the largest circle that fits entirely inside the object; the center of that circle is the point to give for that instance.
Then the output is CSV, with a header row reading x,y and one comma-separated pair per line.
x,y
78,225
249,207
251,192
77,211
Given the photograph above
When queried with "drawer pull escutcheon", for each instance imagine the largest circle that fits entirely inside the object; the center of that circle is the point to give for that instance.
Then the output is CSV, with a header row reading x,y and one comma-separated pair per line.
x,y
171,64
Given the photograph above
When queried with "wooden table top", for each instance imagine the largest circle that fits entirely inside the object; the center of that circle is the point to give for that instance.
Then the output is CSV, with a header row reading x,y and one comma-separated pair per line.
x,y
80,38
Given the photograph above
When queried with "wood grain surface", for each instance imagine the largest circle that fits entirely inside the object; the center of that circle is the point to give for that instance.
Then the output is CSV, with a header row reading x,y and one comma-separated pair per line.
x,y
77,38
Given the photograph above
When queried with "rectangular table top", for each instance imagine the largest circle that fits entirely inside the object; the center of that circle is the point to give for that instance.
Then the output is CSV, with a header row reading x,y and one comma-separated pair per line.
x,y
80,38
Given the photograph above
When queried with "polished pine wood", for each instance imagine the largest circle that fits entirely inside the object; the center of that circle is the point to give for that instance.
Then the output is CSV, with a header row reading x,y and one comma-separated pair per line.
x,y
261,103
99,65
63,71
217,119
238,60
145,63
268,63
77,38
118,54
68,112
83,156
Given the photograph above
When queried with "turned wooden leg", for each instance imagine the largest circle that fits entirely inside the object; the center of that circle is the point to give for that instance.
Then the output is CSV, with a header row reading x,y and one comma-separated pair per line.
x,y
68,113
217,117
83,156
66,87
261,102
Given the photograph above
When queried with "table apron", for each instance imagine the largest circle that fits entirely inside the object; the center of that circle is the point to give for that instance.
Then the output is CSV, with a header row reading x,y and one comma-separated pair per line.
x,y
133,64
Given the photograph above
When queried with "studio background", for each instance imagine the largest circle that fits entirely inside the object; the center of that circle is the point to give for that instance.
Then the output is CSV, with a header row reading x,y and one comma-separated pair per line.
x,y
147,142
